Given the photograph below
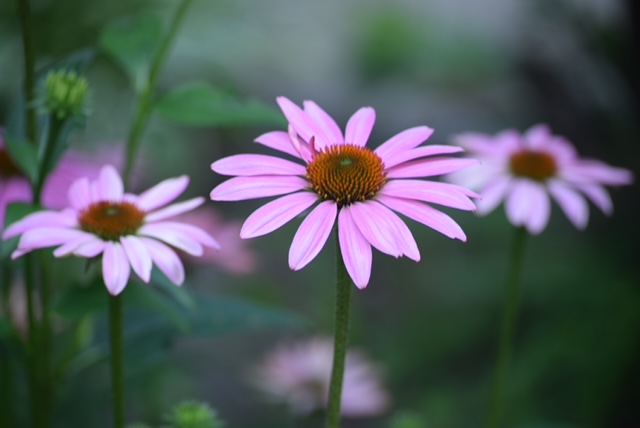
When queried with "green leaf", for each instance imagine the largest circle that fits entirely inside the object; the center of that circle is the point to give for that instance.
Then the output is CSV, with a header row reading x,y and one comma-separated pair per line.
x,y
143,295
133,43
200,104
25,156
15,212
180,294
77,302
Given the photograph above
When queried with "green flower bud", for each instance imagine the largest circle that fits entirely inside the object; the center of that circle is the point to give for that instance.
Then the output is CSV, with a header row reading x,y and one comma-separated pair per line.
x,y
65,94
193,414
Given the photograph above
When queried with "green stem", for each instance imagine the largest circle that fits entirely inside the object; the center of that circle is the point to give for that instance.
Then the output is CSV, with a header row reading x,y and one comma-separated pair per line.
x,y
116,333
33,339
46,382
510,312
341,338
145,100
24,12
44,167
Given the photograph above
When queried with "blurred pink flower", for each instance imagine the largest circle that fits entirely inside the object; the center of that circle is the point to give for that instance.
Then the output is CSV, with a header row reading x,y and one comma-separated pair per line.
x,y
236,257
526,169
354,185
129,231
299,375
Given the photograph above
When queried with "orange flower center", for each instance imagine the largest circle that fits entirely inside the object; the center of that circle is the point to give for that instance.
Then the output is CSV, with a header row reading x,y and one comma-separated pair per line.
x,y
111,220
8,168
538,166
346,173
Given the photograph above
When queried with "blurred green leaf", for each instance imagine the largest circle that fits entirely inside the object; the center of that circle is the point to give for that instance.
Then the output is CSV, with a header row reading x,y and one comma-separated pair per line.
x,y
180,294
200,104
143,295
15,212
133,43
25,156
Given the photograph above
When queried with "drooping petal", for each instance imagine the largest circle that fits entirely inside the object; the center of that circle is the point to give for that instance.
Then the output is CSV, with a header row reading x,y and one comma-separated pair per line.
x,y
312,234
162,193
44,237
493,194
71,247
403,141
91,248
429,167
166,259
355,249
598,195
519,201
63,219
115,268
239,188
572,203
278,140
360,126
420,152
540,209
252,165
168,233
110,186
274,214
138,256
174,209
192,232
426,215
428,191
592,171
79,193
325,121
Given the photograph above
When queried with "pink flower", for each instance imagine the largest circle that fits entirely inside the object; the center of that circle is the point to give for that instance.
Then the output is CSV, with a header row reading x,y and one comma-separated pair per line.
x,y
354,185
129,231
299,376
524,170
237,257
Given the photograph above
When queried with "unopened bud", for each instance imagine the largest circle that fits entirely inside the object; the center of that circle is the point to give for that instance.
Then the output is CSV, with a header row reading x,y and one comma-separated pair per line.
x,y
65,94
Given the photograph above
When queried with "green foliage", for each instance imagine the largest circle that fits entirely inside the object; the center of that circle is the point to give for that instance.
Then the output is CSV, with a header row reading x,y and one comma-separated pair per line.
x,y
200,104
408,420
193,414
132,43
24,155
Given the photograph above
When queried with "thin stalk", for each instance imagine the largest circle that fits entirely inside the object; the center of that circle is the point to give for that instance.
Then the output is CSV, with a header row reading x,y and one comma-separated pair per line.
x,y
510,311
44,167
341,338
24,12
116,335
46,334
145,100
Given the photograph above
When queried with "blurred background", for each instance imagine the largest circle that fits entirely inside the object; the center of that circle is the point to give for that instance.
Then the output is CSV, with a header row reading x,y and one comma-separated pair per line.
x,y
430,327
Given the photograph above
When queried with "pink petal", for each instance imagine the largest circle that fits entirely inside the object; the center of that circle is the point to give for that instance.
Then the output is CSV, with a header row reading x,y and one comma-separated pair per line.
x,y
537,136
405,140
80,246
359,127
426,215
572,203
519,201
493,194
91,248
192,232
174,209
355,249
278,140
110,187
39,219
173,236
79,193
329,126
115,268
166,259
162,193
47,237
445,194
597,172
598,196
429,167
312,234
305,149
384,218
239,188
276,213
251,165
138,256
540,209
301,122
420,152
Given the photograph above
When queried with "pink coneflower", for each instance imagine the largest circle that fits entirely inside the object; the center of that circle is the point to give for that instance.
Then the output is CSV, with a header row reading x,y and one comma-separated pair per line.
x,y
298,375
524,170
352,183
129,231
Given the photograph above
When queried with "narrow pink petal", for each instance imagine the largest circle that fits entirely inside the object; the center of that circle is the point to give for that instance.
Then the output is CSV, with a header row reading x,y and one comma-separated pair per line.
x,y
239,188
251,165
79,193
597,172
426,215
276,213
429,167
375,228
301,122
166,259
138,256
493,194
192,232
329,126
445,194
162,193
312,234
173,236
174,209
397,229
71,246
278,140
305,149
405,140
39,219
91,248
598,196
115,268
537,136
519,201
540,209
397,158
44,237
572,203
355,249
110,186
360,126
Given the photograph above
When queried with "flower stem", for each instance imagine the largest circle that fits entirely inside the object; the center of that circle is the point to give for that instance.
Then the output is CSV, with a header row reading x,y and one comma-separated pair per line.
x,y
33,340
44,167
116,333
341,338
24,12
145,100
510,311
